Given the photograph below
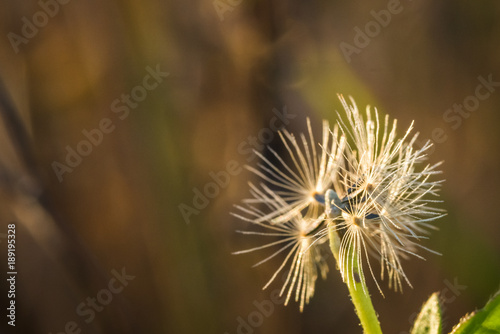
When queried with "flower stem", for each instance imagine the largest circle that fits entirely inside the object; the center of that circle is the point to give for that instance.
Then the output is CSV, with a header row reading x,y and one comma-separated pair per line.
x,y
358,290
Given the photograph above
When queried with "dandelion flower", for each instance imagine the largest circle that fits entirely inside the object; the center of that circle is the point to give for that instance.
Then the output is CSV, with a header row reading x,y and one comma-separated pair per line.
x,y
363,187
296,238
385,210
303,184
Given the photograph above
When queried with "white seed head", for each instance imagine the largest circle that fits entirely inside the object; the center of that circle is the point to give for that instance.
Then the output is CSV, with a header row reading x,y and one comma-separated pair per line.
x,y
309,172
363,181
383,181
297,239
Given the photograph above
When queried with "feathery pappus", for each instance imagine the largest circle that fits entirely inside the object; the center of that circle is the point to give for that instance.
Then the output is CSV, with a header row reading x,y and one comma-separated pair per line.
x,y
361,181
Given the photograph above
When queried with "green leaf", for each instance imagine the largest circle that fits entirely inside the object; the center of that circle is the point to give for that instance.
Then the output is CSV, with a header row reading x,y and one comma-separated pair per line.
x,y
429,319
485,321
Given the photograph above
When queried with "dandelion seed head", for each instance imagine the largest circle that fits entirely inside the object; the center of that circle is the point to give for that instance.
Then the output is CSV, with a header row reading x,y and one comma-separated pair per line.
x,y
308,173
385,192
361,181
296,238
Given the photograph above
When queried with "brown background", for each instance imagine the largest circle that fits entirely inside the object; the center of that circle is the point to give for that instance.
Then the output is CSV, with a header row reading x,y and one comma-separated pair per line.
x,y
119,207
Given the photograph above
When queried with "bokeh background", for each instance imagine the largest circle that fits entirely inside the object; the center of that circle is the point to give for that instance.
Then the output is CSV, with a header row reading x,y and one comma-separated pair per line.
x,y
230,63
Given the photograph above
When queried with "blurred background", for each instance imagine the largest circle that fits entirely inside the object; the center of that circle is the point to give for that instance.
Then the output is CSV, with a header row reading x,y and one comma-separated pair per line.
x,y
160,96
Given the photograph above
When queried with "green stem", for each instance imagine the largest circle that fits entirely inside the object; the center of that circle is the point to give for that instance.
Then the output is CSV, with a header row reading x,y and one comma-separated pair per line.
x,y
358,290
